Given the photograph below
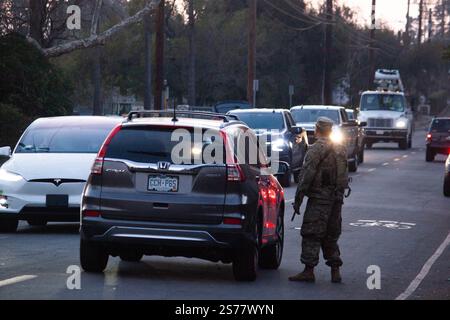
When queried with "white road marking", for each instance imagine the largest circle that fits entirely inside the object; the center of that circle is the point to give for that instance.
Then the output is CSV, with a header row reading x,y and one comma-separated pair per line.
x,y
14,280
425,270
385,164
396,159
290,201
405,156
372,170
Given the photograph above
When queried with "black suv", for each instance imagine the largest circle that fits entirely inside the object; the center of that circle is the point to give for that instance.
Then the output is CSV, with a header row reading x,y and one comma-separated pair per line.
x,y
140,201
282,135
438,138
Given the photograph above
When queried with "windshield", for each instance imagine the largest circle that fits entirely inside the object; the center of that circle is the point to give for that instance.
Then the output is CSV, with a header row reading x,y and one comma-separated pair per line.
x,y
69,139
441,125
311,115
351,115
265,120
383,102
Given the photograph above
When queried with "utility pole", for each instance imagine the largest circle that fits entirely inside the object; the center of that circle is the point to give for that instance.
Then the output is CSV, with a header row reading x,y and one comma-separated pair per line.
x,y
191,89
251,60
443,19
372,44
148,39
327,83
407,39
420,22
159,83
430,25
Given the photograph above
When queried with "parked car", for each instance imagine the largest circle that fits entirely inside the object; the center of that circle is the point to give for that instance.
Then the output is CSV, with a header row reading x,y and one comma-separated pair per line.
x,y
224,107
263,122
139,201
447,178
389,118
345,130
44,177
438,138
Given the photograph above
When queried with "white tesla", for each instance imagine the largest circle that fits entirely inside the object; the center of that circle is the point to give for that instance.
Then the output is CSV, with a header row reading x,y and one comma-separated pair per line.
x,y
45,175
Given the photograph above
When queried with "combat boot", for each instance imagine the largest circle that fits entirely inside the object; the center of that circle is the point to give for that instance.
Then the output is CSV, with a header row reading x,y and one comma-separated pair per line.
x,y
306,276
336,275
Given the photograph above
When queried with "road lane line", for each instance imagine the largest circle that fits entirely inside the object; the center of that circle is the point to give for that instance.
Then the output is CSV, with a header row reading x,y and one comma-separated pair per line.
x,y
397,159
425,270
385,164
372,170
14,280
289,201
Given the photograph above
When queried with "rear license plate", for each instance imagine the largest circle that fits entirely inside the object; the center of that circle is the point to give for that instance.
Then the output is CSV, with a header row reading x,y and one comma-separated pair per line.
x,y
163,183
57,201
380,133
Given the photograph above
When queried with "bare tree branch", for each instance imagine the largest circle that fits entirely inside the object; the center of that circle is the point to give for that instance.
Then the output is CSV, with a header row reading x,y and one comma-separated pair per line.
x,y
96,40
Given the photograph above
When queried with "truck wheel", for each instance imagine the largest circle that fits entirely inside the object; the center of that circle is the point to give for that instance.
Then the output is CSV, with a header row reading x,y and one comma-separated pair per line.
x,y
8,225
272,255
37,222
430,155
447,186
93,258
285,179
403,145
361,155
353,165
245,262
131,256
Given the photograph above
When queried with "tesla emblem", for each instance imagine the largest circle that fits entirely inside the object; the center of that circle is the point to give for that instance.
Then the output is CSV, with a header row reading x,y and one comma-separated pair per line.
x,y
163,165
57,182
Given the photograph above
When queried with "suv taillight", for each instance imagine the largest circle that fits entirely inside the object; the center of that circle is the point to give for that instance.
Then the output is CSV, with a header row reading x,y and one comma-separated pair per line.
x,y
97,167
234,173
429,137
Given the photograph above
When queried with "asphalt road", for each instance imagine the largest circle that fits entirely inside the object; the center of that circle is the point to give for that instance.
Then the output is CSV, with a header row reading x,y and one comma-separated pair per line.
x,y
392,185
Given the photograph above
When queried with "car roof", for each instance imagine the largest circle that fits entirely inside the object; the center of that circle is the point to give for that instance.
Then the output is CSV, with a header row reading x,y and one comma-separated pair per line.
x,y
78,120
258,111
317,107
441,118
182,122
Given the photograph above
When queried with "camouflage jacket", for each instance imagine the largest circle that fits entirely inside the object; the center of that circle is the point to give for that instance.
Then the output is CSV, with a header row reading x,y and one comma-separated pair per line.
x,y
318,175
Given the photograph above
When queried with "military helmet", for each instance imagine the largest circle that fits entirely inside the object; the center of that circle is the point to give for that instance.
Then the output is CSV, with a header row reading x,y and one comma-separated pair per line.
x,y
324,123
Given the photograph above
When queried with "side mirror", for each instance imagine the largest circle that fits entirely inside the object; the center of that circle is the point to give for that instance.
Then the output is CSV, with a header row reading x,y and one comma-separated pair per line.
x,y
5,152
297,130
350,123
363,124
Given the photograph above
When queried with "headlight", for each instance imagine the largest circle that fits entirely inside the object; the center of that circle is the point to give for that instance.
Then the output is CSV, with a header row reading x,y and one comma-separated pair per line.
x,y
401,124
9,176
337,136
278,145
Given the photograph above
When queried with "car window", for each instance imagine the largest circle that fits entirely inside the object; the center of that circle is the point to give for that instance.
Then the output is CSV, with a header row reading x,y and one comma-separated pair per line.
x,y
151,145
441,125
311,115
290,120
67,139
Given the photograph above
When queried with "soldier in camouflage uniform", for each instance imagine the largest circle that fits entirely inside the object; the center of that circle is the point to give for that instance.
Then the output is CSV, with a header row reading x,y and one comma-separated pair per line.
x,y
322,221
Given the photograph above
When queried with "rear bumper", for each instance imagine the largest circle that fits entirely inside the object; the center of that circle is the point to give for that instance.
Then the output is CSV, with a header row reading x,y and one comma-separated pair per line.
x,y
148,236
442,148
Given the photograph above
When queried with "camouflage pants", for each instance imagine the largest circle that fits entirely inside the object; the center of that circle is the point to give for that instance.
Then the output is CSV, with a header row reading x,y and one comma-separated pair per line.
x,y
322,225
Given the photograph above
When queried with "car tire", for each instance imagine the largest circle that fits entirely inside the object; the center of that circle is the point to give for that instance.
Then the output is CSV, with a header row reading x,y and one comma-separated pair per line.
x,y
403,145
447,186
430,155
353,165
285,179
361,155
37,222
245,262
93,258
131,257
8,225
272,255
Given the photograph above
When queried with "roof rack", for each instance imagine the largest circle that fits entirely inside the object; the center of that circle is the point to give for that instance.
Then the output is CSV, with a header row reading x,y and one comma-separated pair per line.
x,y
183,114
